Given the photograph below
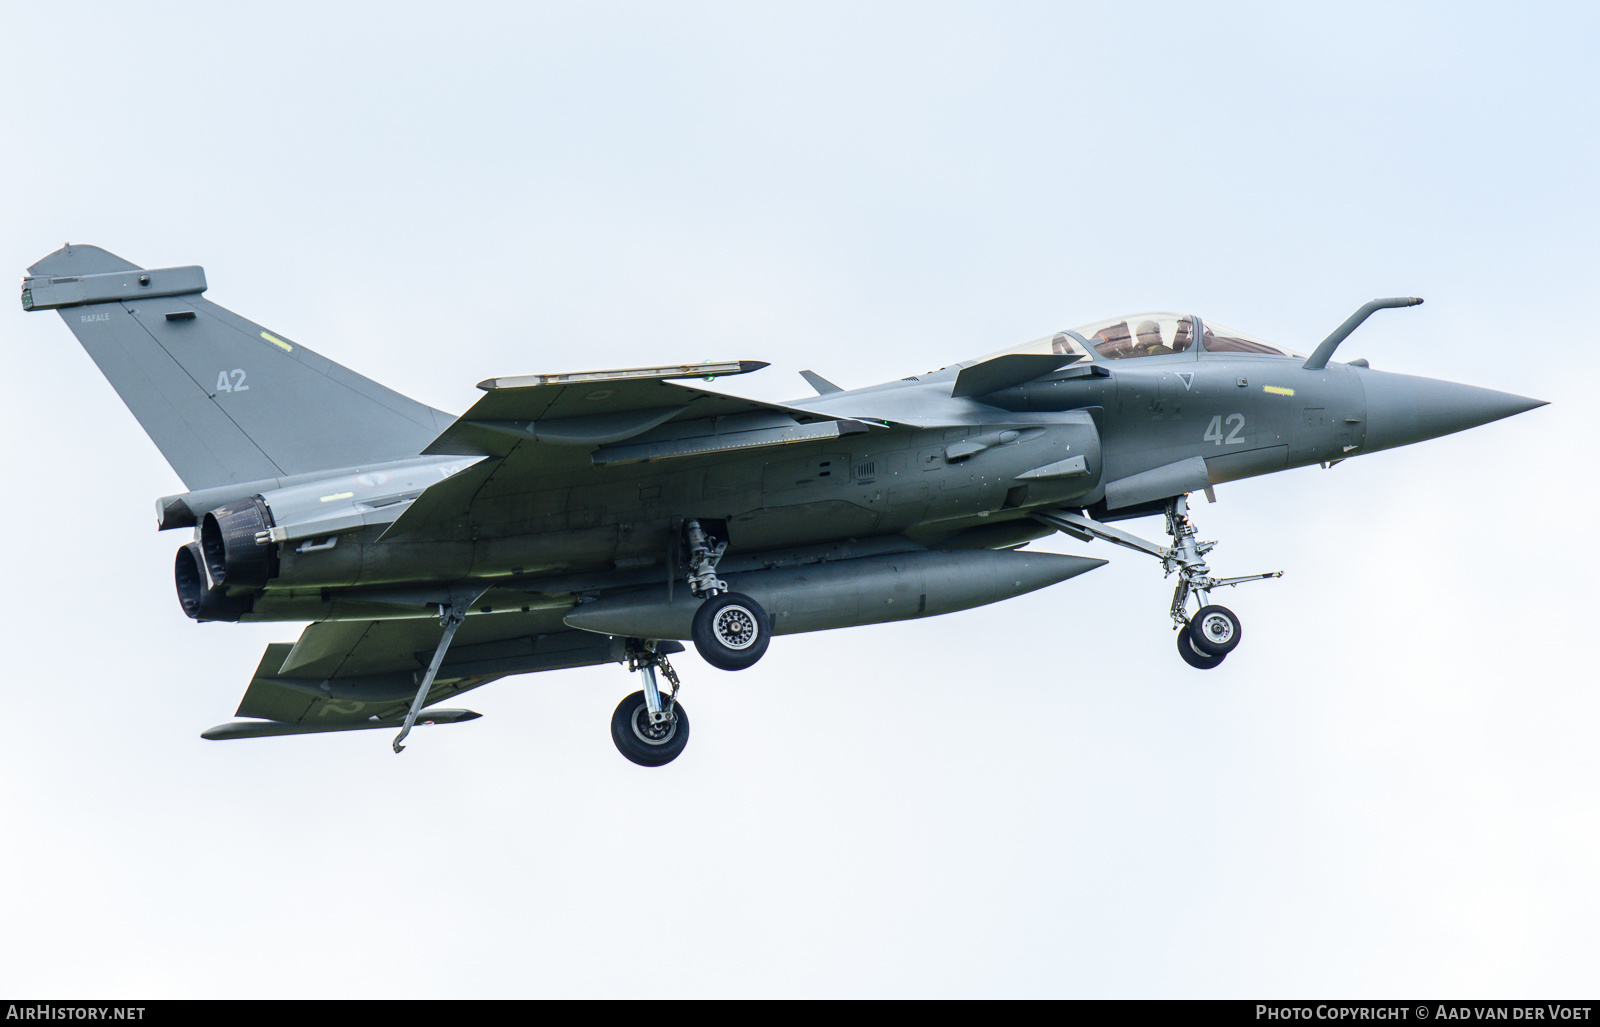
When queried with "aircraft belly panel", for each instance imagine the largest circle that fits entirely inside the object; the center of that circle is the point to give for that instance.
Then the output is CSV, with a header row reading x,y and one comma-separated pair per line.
x,y
774,527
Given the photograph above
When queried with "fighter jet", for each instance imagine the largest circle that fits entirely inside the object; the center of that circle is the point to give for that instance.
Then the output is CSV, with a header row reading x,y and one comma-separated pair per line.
x,y
593,517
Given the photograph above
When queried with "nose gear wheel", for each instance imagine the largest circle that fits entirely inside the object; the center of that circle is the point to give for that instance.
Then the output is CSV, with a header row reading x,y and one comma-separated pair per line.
x,y
1193,656
1215,630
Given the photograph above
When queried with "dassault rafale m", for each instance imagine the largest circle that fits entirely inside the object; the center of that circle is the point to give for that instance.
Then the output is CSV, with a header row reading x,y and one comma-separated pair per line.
x,y
594,517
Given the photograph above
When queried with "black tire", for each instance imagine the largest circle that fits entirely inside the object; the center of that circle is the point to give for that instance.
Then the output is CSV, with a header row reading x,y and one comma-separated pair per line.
x,y
731,631
643,744
1216,630
1194,657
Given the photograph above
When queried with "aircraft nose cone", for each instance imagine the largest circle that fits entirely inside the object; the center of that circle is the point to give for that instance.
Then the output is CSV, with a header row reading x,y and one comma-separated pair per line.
x,y
1402,409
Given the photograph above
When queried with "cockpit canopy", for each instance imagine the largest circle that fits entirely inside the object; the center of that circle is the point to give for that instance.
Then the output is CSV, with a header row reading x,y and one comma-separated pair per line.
x,y
1150,335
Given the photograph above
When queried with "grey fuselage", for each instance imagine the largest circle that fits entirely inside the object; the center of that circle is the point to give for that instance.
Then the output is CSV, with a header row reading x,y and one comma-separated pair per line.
x,y
1166,424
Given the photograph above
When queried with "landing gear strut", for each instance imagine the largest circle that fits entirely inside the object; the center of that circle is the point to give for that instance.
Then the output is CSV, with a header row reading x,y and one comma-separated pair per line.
x,y
730,630
1212,632
648,728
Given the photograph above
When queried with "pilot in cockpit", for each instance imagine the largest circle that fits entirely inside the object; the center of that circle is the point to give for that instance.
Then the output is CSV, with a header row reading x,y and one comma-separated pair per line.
x,y
1150,343
1184,337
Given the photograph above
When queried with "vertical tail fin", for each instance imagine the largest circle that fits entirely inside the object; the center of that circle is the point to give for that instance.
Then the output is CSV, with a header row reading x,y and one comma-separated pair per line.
x,y
224,399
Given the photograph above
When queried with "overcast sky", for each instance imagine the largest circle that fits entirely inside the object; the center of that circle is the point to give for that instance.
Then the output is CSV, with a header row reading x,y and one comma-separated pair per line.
x,y
1389,789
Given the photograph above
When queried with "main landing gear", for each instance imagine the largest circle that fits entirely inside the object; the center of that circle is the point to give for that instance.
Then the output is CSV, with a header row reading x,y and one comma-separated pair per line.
x,y
649,728
1212,631
730,631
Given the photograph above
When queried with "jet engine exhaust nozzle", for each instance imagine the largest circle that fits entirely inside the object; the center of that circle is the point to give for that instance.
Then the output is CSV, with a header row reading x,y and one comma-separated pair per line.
x,y
200,601
228,543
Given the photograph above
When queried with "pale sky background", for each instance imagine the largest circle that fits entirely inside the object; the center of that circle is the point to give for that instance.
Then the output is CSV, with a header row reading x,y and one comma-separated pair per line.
x,y
1389,790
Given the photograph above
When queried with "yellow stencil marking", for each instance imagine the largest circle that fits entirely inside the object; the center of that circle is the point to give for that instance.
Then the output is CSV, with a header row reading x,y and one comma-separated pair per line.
x,y
277,342
1277,390
338,495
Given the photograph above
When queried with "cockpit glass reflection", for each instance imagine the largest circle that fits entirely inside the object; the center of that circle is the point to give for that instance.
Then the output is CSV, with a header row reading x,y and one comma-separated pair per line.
x,y
1218,339
1142,335
1149,335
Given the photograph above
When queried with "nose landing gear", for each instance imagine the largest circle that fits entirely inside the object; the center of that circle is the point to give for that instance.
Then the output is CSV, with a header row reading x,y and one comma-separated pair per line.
x,y
1212,632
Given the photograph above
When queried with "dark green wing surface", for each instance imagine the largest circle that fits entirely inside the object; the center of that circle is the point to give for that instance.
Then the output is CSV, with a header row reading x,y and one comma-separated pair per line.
x,y
343,673
533,429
